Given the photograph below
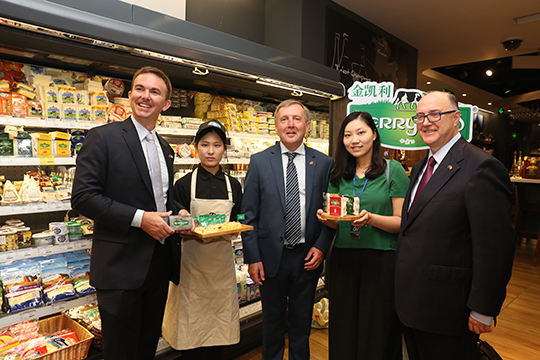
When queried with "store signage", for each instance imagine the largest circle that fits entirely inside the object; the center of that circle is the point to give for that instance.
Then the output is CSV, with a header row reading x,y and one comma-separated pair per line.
x,y
392,112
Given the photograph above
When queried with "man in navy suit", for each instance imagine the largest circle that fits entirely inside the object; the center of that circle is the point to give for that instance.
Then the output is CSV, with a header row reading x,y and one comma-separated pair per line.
x,y
134,251
456,245
286,267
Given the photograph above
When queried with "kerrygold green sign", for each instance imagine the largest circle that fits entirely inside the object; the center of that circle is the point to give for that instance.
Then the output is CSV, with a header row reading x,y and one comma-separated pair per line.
x,y
392,112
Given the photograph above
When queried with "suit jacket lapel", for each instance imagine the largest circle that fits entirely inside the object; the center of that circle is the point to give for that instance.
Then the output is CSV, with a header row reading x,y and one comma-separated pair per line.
x,y
134,144
169,158
277,168
446,169
310,173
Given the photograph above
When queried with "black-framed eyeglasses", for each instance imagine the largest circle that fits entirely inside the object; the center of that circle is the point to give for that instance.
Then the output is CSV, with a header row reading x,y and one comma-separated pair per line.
x,y
432,117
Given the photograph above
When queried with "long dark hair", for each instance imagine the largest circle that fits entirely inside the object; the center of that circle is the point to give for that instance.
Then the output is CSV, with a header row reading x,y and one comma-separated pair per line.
x,y
345,163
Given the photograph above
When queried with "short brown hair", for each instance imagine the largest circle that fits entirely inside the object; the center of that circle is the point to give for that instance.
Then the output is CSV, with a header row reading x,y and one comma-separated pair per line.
x,y
157,72
289,102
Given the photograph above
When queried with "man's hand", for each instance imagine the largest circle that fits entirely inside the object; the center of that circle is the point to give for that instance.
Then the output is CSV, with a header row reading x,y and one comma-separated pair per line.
x,y
313,259
154,225
477,327
256,272
184,212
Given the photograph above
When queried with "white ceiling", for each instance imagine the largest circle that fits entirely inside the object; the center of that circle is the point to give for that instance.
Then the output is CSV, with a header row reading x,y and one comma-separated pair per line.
x,y
456,32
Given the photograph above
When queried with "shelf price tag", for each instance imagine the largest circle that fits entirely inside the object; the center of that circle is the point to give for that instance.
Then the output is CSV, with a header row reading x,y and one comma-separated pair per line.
x,y
46,160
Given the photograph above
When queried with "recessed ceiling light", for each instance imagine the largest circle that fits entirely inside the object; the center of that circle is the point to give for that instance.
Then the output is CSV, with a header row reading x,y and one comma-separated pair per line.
x,y
489,72
509,110
429,83
463,94
489,104
507,91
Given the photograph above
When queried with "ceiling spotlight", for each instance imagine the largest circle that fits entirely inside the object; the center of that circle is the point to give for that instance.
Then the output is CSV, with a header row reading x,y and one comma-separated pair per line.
x,y
489,104
489,72
429,83
463,94
511,43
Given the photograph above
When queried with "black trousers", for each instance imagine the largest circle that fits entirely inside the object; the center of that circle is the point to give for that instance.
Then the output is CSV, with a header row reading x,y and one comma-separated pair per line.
x,y
422,345
293,288
131,319
363,323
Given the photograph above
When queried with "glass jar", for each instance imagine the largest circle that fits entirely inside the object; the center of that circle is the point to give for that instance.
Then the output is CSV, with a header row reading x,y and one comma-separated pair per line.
x,y
24,236
8,240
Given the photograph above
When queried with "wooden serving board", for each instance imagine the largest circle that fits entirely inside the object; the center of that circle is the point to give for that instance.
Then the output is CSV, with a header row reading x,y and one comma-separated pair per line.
x,y
194,235
340,218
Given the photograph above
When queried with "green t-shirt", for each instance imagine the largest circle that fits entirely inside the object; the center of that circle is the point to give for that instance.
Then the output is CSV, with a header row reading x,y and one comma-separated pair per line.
x,y
376,199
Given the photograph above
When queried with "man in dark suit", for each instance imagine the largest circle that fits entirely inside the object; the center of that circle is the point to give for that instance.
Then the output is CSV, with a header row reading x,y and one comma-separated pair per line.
x,y
286,247
456,245
124,183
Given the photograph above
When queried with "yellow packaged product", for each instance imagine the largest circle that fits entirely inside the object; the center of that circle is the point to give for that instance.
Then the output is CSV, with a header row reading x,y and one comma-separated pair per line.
x,y
59,135
66,94
42,145
99,113
61,148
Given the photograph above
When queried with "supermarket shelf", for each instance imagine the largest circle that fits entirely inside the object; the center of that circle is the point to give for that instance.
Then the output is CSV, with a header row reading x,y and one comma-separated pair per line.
x,y
191,161
35,313
27,253
250,310
30,161
35,208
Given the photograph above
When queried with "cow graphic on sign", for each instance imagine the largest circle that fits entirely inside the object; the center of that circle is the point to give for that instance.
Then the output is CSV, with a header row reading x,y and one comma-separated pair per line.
x,y
407,96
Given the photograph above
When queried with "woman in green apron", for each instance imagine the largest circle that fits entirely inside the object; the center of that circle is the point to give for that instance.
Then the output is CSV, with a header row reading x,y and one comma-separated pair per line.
x,y
202,312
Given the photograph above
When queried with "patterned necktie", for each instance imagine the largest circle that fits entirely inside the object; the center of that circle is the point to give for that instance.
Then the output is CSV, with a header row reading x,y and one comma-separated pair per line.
x,y
155,169
425,179
293,218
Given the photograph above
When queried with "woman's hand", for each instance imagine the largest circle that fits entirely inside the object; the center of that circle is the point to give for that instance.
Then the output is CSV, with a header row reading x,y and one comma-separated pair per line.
x,y
330,223
365,219
321,219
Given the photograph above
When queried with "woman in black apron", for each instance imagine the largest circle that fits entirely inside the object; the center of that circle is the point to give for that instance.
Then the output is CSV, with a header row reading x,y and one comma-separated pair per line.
x,y
202,312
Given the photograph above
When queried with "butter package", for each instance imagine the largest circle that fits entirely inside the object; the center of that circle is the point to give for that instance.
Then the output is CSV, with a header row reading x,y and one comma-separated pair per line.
x,y
61,148
59,135
69,111
84,112
99,113
53,111
82,97
99,98
41,144
66,94
34,109
177,222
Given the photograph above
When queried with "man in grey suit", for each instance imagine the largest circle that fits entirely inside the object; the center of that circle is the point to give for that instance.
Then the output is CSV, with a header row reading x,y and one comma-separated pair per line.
x,y
456,245
283,189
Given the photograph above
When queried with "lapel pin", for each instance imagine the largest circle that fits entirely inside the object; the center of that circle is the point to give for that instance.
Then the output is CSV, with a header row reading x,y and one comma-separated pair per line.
x,y
312,163
170,156
449,167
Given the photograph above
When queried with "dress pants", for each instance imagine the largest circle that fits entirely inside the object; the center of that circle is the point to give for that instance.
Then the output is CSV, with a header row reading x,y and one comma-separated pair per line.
x,y
363,322
290,283
423,345
131,319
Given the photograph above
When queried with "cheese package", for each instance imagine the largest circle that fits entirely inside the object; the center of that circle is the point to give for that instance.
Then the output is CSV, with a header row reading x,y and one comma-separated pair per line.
x,y
53,111
69,111
25,90
82,97
39,80
48,94
23,147
19,108
99,113
66,95
34,109
117,113
4,85
99,98
336,205
92,85
41,144
61,148
10,195
6,147
59,135
114,87
5,104
84,112
353,204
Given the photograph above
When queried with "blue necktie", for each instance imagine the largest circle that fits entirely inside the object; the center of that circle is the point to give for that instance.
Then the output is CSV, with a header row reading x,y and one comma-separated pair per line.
x,y
293,217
